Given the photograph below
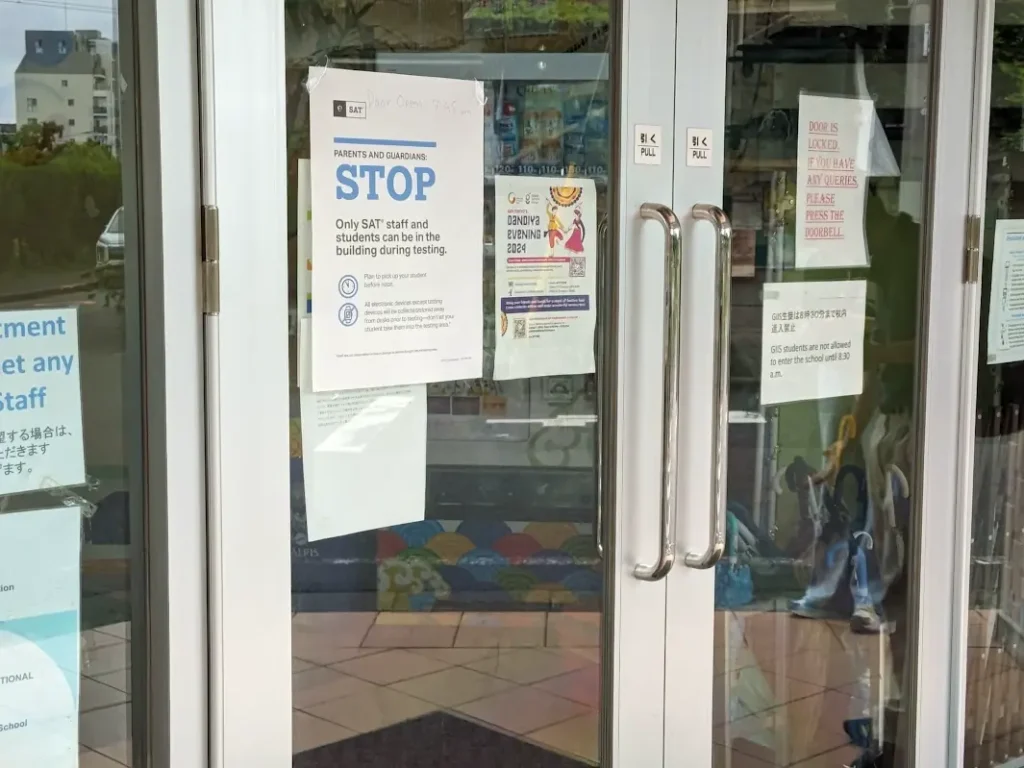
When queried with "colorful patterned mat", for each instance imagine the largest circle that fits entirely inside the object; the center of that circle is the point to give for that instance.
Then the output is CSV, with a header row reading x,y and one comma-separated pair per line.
x,y
487,561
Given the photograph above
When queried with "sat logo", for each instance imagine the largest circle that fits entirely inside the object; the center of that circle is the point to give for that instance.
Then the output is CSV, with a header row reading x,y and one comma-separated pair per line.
x,y
355,109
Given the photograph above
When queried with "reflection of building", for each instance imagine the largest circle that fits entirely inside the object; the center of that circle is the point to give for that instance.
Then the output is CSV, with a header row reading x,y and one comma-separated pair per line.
x,y
68,78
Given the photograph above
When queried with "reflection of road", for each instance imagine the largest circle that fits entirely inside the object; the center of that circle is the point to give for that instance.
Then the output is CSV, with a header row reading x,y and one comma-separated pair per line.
x,y
101,347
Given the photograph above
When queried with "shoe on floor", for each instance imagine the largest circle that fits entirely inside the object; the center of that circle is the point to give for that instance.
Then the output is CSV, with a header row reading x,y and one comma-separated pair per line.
x,y
807,608
866,621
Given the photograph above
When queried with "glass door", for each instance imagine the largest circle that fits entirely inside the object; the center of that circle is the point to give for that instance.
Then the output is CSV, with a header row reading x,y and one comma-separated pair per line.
x,y
423,546
805,137
990,715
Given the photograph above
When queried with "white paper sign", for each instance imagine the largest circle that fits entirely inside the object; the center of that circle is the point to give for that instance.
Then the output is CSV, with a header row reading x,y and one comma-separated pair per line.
x,y
364,455
1006,306
40,588
647,144
40,400
545,260
699,147
833,161
397,229
812,340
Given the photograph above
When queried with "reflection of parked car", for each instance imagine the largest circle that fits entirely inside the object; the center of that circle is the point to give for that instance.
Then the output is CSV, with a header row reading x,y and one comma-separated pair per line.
x,y
110,261
110,246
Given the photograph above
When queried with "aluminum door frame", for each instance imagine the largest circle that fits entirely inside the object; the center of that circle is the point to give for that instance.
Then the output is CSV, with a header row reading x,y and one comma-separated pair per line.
x,y
701,39
945,307
158,44
243,162
977,41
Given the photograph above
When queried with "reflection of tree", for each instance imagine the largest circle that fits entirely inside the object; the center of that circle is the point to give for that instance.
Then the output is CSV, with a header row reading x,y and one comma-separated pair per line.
x,y
554,11
40,143
31,144
1007,75
316,32
57,196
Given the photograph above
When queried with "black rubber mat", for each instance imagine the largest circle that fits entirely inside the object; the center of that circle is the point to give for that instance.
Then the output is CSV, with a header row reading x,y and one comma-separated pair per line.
x,y
437,740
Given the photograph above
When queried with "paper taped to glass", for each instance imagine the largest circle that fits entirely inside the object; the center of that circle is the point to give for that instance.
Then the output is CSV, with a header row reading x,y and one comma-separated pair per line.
x,y
812,340
841,144
545,284
40,649
364,455
1006,308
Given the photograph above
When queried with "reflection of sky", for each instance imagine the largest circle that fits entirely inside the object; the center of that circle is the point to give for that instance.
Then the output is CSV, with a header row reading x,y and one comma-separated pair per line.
x,y
17,16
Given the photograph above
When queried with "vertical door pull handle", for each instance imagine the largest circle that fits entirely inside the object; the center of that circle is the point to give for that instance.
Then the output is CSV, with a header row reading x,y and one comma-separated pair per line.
x,y
670,412
720,429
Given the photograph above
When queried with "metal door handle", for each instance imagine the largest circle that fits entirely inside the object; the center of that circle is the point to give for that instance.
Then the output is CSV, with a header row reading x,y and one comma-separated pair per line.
x,y
604,328
670,413
720,430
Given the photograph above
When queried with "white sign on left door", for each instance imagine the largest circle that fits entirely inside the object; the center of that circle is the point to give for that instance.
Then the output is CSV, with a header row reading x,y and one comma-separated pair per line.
x,y
354,444
397,229
647,144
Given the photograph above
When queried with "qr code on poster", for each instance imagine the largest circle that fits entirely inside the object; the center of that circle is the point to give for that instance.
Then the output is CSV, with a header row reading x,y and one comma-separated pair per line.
x,y
578,267
519,328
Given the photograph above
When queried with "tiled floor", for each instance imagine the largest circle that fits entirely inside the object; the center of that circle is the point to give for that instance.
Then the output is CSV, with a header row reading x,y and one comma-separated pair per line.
x,y
104,722
783,686
533,675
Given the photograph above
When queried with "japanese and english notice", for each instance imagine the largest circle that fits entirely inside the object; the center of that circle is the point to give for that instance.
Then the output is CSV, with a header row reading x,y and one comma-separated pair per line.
x,y
41,442
396,229
833,163
545,256
41,447
813,344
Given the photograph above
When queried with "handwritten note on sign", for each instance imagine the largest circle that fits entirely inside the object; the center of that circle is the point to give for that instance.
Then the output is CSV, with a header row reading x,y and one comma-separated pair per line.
x,y
832,171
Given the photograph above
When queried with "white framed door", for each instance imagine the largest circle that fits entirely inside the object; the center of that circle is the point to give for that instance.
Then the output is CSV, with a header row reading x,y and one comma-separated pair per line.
x,y
986,710
820,134
505,622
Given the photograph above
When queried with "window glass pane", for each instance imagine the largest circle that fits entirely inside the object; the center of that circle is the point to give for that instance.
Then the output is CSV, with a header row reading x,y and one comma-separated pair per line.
x,y
826,141
995,653
70,398
471,635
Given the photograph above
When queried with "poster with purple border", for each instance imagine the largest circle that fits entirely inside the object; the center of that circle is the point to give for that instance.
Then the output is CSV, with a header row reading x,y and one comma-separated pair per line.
x,y
545,261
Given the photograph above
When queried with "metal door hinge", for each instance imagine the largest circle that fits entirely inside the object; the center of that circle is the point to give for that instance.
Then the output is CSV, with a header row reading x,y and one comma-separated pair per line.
x,y
972,249
211,260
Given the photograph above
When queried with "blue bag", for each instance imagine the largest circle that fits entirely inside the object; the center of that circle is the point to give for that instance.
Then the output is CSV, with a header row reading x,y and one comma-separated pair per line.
x,y
734,586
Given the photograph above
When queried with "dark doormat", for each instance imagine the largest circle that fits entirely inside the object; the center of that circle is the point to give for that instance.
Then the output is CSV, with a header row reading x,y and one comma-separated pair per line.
x,y
437,740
